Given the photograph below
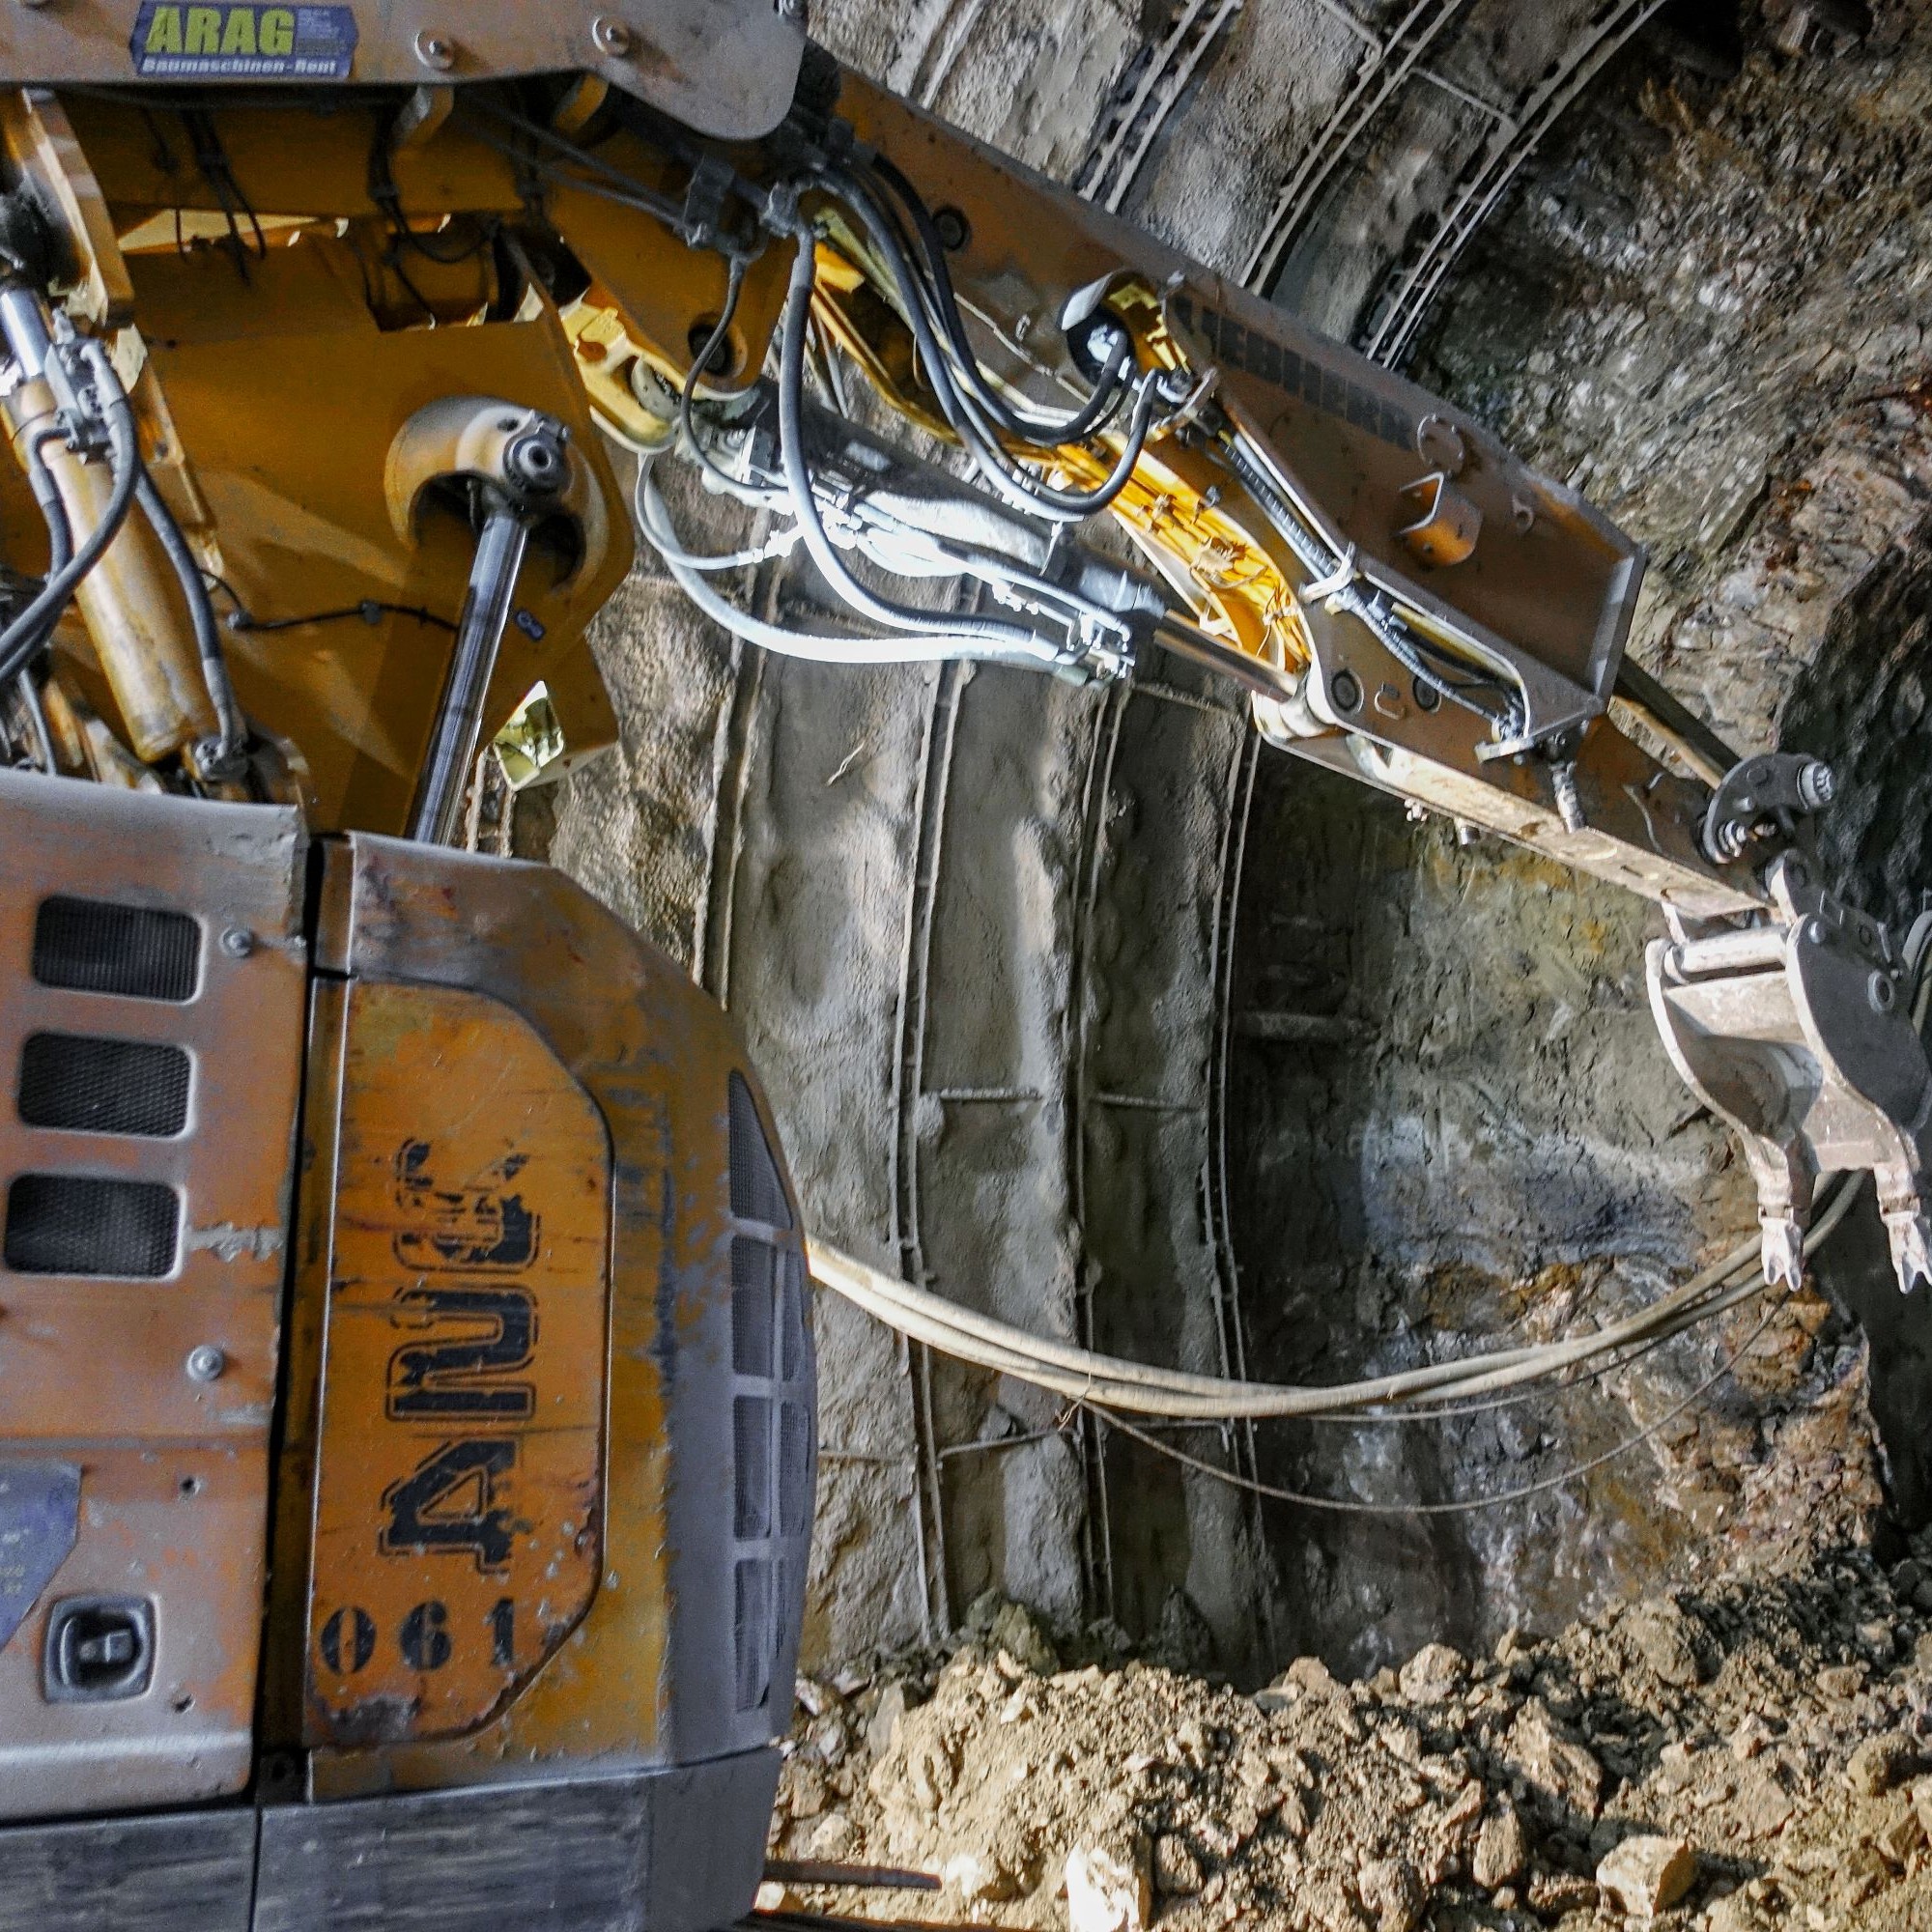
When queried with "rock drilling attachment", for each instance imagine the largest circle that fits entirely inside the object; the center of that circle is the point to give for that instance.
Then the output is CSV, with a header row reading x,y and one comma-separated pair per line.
x,y
1799,1031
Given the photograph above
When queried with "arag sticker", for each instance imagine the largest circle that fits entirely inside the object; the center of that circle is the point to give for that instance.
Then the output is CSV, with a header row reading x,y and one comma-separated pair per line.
x,y
243,42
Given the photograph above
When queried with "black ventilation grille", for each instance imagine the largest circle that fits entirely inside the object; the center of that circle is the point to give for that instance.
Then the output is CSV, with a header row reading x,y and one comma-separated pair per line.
x,y
69,1224
751,1632
90,946
794,1469
751,1447
752,1263
791,1315
755,1192
103,1086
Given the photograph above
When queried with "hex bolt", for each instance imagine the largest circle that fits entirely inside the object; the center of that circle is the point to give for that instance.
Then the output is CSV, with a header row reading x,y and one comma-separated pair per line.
x,y
237,942
1345,690
1881,991
1813,932
206,1363
1817,784
611,36
436,50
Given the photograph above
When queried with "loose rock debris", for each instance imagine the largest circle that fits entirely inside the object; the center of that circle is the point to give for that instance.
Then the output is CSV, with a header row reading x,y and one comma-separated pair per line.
x,y
1754,1754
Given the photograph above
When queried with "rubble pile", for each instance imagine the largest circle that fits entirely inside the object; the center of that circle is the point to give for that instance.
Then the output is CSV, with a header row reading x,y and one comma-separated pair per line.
x,y
1753,1754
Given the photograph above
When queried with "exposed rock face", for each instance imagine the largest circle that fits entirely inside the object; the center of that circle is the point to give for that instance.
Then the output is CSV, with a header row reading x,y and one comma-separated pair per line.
x,y
1706,309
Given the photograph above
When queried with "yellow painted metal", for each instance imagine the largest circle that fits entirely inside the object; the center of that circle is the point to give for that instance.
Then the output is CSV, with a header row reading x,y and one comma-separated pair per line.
x,y
303,525
626,1028
459,1488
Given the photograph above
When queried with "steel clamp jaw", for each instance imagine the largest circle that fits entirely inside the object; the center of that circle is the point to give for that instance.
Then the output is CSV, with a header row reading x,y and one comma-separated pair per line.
x,y
1799,1032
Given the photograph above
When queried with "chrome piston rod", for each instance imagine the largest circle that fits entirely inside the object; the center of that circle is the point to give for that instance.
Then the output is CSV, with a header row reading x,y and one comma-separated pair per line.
x,y
451,755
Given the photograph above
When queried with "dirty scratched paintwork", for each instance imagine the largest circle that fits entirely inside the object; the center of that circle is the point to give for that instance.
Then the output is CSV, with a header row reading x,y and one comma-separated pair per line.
x,y
459,1511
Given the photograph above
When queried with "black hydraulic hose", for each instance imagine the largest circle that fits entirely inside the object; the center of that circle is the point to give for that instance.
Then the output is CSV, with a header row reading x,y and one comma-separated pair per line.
x,y
23,637
1032,429
798,481
1024,492
59,548
232,732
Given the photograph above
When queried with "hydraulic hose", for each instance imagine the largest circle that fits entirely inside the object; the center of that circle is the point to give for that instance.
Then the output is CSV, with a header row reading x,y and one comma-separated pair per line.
x,y
814,647
23,636
232,732
962,412
1003,637
1370,608
1083,1376
1138,1388
1082,423
59,548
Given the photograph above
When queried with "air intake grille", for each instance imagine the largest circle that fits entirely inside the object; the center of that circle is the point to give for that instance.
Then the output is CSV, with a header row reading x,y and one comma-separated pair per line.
x,y
774,1442
103,1086
752,1628
755,1191
90,946
71,1224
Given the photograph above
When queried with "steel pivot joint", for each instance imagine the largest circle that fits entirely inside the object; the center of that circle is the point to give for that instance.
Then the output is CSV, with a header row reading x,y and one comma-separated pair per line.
x,y
511,470
1799,1032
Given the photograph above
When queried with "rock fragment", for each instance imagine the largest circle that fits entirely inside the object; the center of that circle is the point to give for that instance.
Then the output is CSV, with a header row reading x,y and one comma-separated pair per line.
x,y
1663,1634
1107,1893
1502,1850
1879,1763
1393,1891
1550,1758
1434,1674
1646,1875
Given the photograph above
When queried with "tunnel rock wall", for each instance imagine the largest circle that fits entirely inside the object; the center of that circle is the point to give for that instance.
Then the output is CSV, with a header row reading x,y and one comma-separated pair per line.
x,y
1705,309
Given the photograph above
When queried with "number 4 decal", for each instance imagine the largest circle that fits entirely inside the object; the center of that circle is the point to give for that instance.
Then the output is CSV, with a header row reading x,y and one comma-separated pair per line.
x,y
450,1503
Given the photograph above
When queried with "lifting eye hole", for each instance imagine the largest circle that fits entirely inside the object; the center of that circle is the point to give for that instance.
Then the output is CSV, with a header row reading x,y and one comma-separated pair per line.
x,y
954,230
724,358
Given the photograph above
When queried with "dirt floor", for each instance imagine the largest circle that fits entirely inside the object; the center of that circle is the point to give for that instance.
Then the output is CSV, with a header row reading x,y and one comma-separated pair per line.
x,y
1755,1753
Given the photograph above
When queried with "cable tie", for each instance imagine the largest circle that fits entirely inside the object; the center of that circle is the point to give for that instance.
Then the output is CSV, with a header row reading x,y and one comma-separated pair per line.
x,y
1319,589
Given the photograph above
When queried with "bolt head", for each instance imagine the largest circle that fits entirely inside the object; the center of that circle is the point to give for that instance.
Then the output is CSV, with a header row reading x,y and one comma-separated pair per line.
x,y
610,35
1345,690
237,942
1817,784
436,50
1881,990
206,1363
1813,932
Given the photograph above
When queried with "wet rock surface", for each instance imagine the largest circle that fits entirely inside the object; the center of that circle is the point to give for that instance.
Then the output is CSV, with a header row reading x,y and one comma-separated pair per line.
x,y
1584,1782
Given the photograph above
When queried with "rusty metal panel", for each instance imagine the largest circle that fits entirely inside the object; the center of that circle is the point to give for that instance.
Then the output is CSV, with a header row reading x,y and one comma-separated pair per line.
x,y
726,67
458,1505
653,1672
156,1380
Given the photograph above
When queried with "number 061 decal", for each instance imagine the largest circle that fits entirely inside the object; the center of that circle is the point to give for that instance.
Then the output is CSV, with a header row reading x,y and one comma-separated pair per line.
x,y
458,1500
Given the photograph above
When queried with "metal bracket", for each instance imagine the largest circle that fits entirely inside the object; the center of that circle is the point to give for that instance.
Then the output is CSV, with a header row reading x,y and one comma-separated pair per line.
x,y
1797,1032
1446,532
1762,798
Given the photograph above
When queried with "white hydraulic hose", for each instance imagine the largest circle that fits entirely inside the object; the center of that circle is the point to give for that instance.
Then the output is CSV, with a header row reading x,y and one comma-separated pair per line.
x,y
1083,1376
1111,1381
817,647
